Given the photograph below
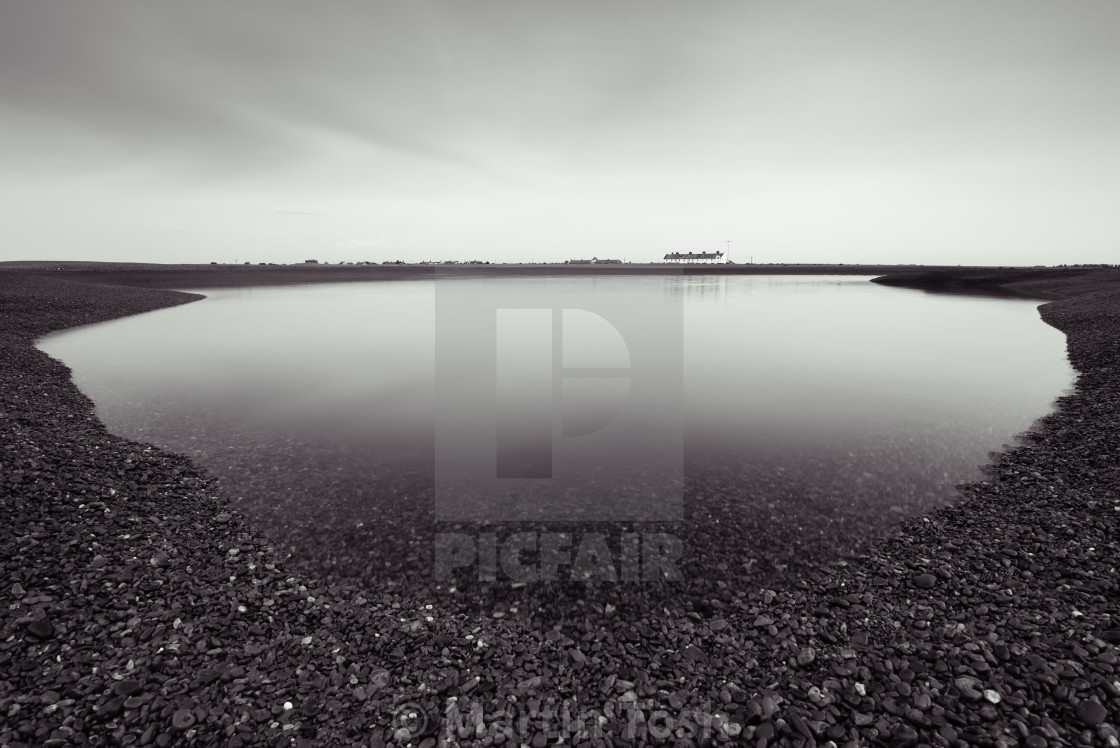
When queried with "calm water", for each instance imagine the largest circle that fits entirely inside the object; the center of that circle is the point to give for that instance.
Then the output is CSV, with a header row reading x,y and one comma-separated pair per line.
x,y
780,411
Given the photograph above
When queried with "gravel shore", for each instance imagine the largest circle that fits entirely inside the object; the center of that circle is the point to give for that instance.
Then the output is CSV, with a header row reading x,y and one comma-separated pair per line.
x,y
142,609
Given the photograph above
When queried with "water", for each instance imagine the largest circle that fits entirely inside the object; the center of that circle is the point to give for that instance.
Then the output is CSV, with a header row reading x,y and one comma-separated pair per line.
x,y
773,419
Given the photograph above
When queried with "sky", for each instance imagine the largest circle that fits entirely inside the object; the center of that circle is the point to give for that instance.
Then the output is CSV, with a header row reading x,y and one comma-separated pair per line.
x,y
896,131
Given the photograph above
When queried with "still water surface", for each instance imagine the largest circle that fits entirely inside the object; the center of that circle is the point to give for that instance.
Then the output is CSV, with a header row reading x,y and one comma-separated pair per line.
x,y
812,408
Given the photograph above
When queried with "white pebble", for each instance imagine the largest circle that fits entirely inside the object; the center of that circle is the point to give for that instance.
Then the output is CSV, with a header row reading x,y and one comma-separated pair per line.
x,y
861,689
287,706
992,696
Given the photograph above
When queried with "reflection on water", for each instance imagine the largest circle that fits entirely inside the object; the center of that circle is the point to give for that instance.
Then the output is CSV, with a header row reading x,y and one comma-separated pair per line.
x,y
813,407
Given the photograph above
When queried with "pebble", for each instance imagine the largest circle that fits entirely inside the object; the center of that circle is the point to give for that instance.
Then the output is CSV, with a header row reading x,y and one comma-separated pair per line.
x,y
112,707
41,628
379,679
1091,712
127,687
925,581
182,719
969,688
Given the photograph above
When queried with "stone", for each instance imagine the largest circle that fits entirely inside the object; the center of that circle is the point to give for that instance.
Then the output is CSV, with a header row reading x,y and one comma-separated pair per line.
x,y
182,719
969,688
904,734
1091,712
112,707
41,628
925,581
127,687
379,679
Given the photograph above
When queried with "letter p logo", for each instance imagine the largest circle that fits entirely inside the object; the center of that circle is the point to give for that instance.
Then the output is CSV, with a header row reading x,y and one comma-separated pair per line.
x,y
558,399
561,373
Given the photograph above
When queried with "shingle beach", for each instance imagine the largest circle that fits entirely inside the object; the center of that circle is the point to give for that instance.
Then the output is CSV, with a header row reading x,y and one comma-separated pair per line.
x,y
142,609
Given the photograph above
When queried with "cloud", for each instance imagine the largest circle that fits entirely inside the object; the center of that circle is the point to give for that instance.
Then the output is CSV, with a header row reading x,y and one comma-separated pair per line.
x,y
498,123
223,88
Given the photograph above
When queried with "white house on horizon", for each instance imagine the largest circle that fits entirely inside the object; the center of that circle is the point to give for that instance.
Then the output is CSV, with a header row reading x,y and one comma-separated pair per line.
x,y
691,257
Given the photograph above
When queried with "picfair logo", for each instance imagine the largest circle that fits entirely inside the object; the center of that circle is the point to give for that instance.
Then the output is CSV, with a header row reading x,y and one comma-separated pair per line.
x,y
561,374
558,400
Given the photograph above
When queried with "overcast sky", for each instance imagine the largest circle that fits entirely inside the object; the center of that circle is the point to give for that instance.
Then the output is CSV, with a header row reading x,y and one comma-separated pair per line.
x,y
839,131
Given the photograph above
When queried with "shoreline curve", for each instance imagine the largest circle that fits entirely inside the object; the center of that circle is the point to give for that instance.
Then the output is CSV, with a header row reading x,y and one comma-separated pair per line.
x,y
140,604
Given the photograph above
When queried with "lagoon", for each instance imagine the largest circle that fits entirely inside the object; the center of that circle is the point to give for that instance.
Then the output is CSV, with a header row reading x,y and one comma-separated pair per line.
x,y
766,416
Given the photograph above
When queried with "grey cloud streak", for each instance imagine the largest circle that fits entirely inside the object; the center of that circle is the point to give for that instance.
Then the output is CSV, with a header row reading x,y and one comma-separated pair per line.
x,y
209,84
495,118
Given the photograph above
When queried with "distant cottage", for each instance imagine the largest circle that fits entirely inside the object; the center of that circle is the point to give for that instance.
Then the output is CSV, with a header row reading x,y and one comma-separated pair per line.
x,y
311,262
593,261
711,257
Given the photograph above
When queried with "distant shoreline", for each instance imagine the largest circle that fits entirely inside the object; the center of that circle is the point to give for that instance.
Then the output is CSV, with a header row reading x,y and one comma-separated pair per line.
x,y
1023,282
